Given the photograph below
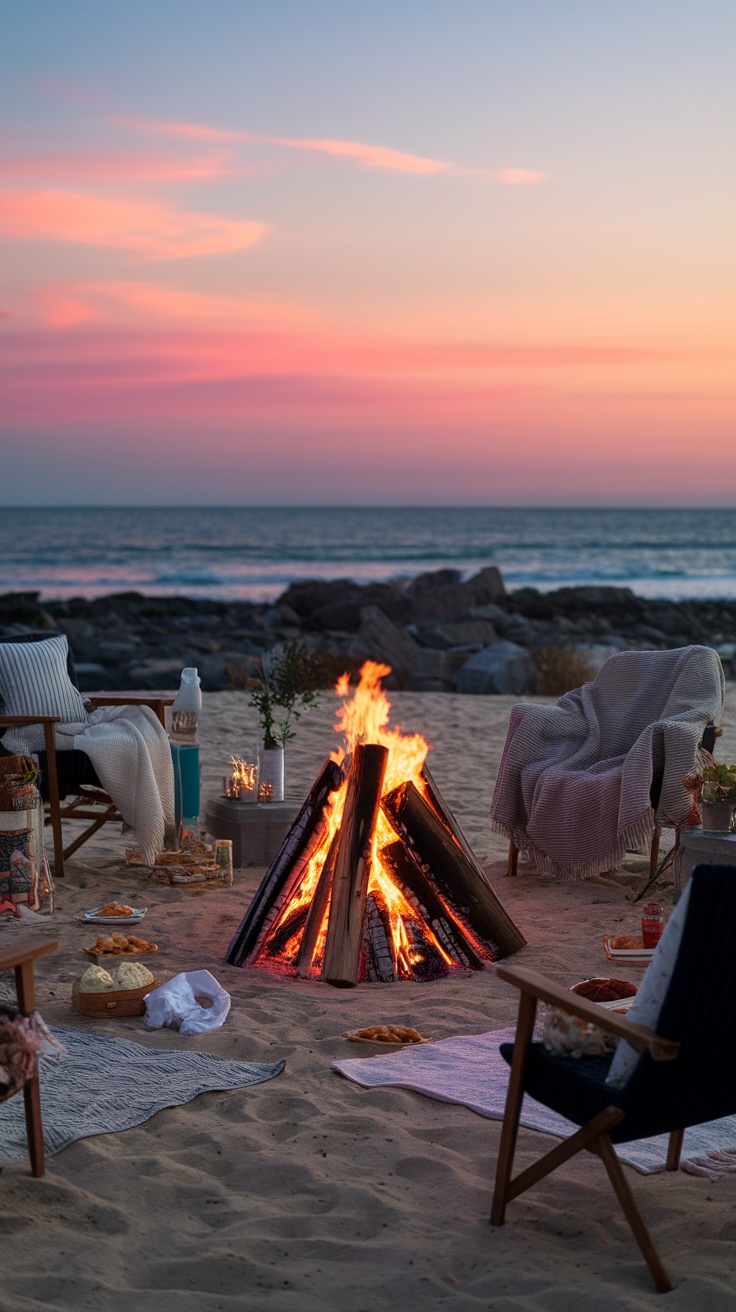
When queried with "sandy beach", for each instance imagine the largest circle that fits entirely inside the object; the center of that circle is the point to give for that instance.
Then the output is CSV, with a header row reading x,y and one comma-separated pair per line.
x,y
308,1192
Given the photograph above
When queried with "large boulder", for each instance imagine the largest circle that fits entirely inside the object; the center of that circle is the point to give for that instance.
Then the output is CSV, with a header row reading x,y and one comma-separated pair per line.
x,y
503,668
452,601
388,644
460,633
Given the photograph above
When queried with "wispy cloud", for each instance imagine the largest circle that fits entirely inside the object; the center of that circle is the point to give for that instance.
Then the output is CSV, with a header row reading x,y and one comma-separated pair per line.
x,y
152,231
375,157
128,167
66,305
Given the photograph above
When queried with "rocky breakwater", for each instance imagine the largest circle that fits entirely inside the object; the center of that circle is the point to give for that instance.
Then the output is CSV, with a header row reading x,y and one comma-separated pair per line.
x,y
437,631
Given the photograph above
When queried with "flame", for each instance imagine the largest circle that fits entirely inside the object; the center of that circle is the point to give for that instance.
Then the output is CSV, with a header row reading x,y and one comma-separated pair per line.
x,y
242,780
364,718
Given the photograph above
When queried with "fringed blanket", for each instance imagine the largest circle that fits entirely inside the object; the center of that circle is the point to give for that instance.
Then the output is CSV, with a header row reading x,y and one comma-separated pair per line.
x,y
130,752
573,788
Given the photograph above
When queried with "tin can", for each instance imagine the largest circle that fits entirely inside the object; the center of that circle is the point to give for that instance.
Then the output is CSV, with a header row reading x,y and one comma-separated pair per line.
x,y
224,859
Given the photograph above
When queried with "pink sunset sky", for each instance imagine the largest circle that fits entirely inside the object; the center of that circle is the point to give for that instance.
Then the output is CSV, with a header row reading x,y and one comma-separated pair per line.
x,y
413,254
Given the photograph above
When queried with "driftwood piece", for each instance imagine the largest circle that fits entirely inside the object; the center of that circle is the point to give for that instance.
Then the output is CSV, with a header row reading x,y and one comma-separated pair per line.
x,y
317,910
458,880
286,869
418,888
353,864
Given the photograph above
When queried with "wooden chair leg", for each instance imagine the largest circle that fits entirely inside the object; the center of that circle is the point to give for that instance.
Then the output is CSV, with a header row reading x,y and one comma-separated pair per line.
x,y
654,853
26,991
512,1110
513,865
34,1126
54,805
674,1149
633,1215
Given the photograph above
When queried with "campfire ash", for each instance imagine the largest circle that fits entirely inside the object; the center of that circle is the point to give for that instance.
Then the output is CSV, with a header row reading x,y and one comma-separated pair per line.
x,y
375,881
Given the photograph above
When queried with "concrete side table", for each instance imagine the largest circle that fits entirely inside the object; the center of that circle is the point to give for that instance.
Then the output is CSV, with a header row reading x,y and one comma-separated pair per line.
x,y
257,830
698,845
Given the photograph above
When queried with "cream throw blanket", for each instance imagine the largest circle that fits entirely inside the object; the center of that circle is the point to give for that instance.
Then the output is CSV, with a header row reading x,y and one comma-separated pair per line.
x,y
574,780
130,752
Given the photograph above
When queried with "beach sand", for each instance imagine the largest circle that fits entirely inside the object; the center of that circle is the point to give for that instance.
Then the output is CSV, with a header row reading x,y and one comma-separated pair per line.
x,y
309,1192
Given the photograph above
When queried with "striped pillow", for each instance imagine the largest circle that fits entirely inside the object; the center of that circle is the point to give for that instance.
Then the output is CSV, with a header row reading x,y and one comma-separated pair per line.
x,y
34,681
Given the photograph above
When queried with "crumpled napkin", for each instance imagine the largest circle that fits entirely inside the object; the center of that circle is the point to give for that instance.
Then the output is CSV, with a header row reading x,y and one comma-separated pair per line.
x,y
175,1003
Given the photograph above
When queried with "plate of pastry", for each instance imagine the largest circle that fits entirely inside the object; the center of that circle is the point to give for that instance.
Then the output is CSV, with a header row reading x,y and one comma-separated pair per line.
x,y
115,913
627,947
395,1036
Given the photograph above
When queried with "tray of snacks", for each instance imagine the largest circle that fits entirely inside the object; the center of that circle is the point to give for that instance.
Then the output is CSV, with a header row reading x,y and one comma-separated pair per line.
x,y
613,994
395,1035
627,947
115,913
120,945
121,992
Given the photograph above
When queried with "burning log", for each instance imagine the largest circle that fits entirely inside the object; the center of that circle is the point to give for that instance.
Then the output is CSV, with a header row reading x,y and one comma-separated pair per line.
x,y
353,864
317,911
408,873
286,870
458,880
379,957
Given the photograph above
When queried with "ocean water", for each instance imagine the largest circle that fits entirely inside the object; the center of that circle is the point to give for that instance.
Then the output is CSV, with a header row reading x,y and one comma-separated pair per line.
x,y
254,553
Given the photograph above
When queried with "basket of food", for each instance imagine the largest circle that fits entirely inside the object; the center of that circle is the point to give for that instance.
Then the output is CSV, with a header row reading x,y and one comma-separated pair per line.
x,y
113,994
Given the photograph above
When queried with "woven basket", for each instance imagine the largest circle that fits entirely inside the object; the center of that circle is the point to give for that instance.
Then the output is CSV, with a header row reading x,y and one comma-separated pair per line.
x,y
120,1002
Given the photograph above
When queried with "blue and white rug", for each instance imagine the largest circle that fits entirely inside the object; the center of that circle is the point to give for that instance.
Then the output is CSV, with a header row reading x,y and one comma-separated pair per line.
x,y
104,1084
471,1071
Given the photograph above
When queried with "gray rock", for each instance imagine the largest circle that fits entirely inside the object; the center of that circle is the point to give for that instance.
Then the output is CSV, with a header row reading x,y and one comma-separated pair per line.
x,y
385,642
489,611
503,668
461,633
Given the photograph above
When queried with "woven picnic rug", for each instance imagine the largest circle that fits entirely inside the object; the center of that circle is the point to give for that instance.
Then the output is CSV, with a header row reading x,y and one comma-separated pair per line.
x,y
471,1071
105,1084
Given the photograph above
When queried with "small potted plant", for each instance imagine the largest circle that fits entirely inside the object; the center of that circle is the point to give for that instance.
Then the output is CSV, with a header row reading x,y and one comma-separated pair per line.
x,y
714,790
286,684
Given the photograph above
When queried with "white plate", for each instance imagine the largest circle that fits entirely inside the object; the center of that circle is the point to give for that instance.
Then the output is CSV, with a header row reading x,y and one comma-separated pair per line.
x,y
626,954
93,917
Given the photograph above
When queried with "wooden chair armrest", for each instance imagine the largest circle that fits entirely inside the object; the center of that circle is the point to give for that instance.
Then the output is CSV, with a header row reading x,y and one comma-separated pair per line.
x,y
18,721
27,950
129,698
639,1036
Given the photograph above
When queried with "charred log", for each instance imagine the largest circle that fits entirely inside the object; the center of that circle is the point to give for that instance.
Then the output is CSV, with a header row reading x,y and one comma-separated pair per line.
x,y
317,911
459,881
286,870
405,868
379,956
352,865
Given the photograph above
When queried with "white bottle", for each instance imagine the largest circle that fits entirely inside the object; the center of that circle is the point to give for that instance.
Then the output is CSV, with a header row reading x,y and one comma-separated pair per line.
x,y
186,708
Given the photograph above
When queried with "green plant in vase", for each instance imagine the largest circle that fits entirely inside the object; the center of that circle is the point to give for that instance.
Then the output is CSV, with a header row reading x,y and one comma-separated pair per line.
x,y
285,686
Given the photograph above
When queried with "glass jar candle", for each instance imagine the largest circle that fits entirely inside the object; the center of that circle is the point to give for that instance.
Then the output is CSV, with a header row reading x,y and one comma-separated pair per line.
x,y
652,924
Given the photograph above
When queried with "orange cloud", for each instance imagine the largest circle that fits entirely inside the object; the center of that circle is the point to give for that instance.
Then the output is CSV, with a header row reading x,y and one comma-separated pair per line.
x,y
377,157
115,167
153,231
66,306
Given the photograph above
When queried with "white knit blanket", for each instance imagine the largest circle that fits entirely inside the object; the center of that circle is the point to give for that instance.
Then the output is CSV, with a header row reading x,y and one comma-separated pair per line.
x,y
130,752
574,781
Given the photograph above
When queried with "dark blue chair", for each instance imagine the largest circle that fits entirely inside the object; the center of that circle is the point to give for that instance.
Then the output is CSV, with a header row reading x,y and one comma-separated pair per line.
x,y
686,1074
